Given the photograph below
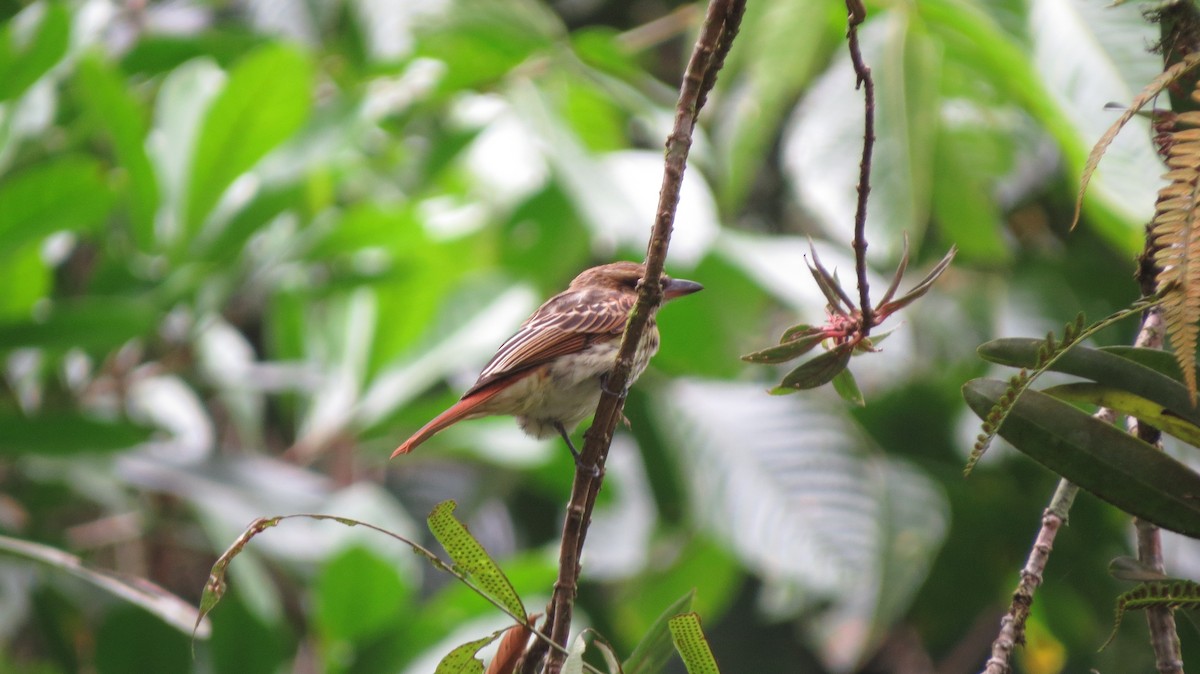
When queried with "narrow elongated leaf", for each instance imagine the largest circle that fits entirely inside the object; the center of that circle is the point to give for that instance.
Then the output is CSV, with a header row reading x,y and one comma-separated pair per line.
x,y
815,372
121,117
796,347
923,286
692,645
652,653
63,194
171,609
264,102
93,324
1103,367
21,67
847,387
470,557
1155,359
65,434
1128,404
1117,467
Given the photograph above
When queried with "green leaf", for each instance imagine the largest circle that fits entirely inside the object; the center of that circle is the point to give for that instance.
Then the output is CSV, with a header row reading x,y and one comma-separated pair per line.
x,y
762,88
963,205
651,655
358,595
846,387
265,101
1155,359
1106,367
21,67
263,208
121,117
815,372
61,194
159,648
157,53
480,42
1128,404
800,344
140,592
95,324
470,557
25,279
462,659
62,434
692,645
908,103
1117,467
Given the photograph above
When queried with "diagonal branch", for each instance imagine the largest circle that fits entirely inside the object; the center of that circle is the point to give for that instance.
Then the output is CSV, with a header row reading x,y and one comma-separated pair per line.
x,y
713,44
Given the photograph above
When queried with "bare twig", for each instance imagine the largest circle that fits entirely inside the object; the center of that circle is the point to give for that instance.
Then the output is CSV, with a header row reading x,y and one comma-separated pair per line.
x,y
1012,625
716,36
1164,638
1162,622
863,72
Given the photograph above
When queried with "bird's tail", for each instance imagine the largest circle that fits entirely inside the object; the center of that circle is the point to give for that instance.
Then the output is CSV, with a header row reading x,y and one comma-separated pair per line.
x,y
463,409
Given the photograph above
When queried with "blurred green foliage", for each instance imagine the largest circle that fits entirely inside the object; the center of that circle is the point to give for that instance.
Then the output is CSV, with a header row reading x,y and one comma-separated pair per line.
x,y
246,248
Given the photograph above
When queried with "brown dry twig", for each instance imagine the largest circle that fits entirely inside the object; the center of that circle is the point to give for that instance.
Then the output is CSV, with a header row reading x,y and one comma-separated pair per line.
x,y
716,37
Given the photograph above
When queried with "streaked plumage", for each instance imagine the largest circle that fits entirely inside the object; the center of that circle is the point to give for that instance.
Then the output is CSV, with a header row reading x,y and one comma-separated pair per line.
x,y
548,374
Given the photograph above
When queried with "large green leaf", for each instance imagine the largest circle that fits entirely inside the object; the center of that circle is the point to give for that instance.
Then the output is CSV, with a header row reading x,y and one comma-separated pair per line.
x,y
123,120
64,434
25,279
1125,403
92,323
759,88
480,42
62,194
264,102
23,64
1106,367
1117,467
358,595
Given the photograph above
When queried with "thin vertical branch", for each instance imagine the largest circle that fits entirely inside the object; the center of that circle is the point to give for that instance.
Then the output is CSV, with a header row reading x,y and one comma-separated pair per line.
x,y
712,45
1012,625
857,14
1164,638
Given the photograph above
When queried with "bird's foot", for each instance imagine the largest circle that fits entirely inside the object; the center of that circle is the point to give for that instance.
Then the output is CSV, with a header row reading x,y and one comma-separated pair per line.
x,y
622,394
593,470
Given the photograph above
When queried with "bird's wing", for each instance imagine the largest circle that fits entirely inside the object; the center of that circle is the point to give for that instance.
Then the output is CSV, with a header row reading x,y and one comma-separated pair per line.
x,y
568,323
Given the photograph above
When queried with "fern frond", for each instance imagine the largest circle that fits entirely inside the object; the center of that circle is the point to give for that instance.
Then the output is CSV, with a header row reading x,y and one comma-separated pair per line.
x,y
1171,594
1175,232
1156,87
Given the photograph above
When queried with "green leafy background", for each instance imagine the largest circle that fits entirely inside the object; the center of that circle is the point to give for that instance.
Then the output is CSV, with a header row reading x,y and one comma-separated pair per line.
x,y
246,248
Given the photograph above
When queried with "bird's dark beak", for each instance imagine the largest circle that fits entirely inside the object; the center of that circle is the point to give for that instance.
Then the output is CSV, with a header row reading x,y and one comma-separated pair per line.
x,y
678,287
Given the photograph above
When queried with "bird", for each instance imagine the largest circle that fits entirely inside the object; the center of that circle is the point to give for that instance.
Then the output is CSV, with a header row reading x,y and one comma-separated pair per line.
x,y
550,374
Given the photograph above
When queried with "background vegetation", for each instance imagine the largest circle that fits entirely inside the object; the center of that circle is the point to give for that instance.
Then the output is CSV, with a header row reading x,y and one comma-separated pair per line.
x,y
246,248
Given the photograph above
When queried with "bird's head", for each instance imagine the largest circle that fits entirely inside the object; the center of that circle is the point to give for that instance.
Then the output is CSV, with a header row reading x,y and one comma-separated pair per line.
x,y
624,276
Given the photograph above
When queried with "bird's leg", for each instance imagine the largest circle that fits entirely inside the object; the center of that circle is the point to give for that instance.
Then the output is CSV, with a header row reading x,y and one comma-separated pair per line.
x,y
594,470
